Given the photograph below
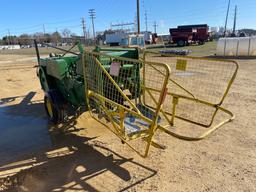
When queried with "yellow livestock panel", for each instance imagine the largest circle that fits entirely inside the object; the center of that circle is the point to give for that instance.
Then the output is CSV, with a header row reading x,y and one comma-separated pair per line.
x,y
115,89
196,91
180,96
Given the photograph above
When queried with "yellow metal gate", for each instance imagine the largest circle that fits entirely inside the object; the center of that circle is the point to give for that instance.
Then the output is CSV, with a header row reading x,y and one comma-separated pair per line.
x,y
136,98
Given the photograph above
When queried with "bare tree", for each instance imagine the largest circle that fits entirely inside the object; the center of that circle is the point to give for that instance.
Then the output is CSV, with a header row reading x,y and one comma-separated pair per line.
x,y
56,37
66,34
39,37
25,39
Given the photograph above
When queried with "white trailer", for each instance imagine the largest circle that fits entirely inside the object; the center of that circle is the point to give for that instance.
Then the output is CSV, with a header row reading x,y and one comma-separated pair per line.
x,y
115,39
123,39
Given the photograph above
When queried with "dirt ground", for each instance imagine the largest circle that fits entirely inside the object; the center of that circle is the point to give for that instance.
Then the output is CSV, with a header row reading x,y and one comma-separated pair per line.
x,y
90,158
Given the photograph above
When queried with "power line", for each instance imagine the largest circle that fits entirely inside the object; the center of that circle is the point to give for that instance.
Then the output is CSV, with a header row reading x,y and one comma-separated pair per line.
x,y
92,14
28,27
71,26
84,29
39,26
42,29
61,22
53,29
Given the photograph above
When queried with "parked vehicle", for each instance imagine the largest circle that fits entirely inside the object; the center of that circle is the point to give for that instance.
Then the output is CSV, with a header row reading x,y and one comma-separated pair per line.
x,y
127,40
133,41
147,37
114,39
188,34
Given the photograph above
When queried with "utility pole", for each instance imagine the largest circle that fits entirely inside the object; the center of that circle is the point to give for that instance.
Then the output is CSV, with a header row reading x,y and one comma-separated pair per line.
x,y
9,37
56,36
146,21
155,26
44,33
138,16
135,23
88,34
44,29
234,26
92,16
226,22
84,29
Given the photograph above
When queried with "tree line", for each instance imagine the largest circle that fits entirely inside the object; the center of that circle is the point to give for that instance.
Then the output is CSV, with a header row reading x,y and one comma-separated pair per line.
x,y
27,39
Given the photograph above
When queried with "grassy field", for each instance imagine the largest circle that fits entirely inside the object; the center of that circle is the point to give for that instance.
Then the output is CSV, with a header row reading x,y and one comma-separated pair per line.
x,y
208,49
204,50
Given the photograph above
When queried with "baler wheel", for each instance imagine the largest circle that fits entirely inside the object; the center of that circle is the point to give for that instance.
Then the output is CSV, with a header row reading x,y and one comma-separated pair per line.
x,y
54,107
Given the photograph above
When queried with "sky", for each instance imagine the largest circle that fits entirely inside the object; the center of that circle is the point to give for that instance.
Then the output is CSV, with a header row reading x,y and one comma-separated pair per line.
x,y
29,16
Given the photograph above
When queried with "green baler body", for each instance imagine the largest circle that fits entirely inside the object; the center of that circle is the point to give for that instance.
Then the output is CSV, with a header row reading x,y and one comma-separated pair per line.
x,y
65,74
62,74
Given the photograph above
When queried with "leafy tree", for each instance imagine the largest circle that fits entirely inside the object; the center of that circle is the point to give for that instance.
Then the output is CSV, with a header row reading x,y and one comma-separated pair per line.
x,y
9,40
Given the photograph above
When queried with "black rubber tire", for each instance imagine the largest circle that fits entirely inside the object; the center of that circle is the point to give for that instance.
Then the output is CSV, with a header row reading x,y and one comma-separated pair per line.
x,y
201,42
56,102
181,43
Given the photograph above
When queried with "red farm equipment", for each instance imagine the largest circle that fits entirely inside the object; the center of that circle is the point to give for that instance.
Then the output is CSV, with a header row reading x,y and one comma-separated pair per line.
x,y
188,34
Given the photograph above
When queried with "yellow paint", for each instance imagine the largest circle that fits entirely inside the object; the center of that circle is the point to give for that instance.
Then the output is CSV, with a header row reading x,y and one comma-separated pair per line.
x,y
49,107
147,135
181,65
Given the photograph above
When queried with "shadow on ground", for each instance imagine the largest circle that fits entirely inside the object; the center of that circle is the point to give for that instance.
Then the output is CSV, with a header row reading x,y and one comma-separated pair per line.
x,y
66,162
26,107
23,127
232,57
